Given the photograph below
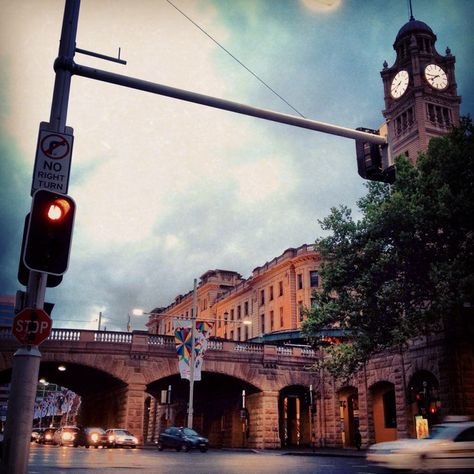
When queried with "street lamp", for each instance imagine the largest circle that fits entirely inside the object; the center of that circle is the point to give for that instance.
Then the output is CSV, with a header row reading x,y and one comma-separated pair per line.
x,y
44,384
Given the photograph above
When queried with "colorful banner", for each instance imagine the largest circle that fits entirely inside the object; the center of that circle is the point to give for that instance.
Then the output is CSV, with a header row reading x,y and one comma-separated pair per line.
x,y
183,339
54,403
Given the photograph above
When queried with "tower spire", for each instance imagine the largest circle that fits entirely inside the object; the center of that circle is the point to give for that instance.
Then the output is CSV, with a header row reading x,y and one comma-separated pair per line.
x,y
411,10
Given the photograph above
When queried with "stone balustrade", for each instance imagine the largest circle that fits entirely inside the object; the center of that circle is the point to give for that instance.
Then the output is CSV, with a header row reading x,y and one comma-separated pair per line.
x,y
143,340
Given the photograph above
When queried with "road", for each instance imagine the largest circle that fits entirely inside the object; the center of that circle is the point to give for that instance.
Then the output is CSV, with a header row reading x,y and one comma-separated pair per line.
x,y
67,460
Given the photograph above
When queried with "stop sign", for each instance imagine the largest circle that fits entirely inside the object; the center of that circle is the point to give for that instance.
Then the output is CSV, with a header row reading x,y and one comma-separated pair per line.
x,y
31,326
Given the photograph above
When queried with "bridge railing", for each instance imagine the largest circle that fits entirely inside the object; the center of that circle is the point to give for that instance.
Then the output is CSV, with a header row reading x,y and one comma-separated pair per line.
x,y
144,339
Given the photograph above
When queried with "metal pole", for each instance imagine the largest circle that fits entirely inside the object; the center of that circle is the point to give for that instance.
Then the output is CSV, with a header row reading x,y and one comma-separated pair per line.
x,y
193,357
26,360
160,89
168,402
100,320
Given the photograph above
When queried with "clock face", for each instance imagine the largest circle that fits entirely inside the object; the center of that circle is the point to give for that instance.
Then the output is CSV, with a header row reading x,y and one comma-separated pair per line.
x,y
399,84
436,77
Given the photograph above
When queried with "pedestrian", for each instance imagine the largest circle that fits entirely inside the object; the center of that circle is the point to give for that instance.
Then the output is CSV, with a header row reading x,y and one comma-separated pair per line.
x,y
358,439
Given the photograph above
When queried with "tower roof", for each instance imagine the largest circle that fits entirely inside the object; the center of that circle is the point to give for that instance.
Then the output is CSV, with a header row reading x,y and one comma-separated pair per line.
x,y
413,26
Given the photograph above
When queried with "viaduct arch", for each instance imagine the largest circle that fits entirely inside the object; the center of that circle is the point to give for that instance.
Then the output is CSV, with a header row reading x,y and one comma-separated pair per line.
x,y
120,377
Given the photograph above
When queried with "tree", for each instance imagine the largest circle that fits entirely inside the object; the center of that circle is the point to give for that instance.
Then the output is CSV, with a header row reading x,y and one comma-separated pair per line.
x,y
407,264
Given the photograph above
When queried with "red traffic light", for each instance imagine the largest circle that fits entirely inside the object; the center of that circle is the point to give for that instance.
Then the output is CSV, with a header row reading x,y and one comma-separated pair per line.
x,y
57,210
49,233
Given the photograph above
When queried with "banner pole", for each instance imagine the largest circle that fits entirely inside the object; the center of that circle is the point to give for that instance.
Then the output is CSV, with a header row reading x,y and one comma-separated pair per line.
x,y
193,356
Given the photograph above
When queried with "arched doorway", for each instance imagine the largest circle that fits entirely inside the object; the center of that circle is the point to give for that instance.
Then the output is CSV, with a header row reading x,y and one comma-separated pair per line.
x,y
423,402
348,415
294,416
384,411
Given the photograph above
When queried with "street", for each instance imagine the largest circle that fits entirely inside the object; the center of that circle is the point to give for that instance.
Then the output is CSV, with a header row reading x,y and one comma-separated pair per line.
x,y
67,460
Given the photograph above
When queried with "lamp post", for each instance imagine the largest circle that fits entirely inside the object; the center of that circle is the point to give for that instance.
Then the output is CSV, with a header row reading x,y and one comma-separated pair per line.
x,y
44,385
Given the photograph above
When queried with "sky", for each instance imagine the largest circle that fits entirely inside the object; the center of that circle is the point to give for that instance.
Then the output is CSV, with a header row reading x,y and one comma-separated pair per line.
x,y
166,190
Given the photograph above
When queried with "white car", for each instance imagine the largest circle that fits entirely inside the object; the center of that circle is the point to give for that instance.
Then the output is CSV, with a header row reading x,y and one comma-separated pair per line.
x,y
449,447
119,437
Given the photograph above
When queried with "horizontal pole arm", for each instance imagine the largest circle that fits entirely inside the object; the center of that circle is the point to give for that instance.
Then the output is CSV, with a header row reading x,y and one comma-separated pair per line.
x,y
147,86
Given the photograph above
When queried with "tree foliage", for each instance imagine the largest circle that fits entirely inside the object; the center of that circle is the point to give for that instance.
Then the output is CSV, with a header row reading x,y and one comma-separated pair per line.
x,y
407,263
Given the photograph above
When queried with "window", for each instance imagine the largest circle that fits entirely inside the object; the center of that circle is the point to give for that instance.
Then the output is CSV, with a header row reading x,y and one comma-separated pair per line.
x,y
281,317
300,310
231,335
262,297
300,281
238,334
271,293
239,312
246,308
262,323
272,321
280,288
404,121
246,332
232,314
389,409
466,435
438,116
314,278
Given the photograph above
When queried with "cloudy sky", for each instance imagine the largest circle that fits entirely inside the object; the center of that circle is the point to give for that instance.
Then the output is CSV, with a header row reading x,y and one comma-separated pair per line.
x,y
166,190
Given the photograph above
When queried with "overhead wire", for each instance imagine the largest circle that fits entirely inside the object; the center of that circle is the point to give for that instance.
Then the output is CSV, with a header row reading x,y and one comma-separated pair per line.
x,y
235,58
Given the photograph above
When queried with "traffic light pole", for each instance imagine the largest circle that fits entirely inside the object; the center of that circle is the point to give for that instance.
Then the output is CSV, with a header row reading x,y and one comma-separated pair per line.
x,y
26,360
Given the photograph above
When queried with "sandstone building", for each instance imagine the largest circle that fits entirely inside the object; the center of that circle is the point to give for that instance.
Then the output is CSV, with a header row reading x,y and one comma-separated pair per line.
x,y
435,376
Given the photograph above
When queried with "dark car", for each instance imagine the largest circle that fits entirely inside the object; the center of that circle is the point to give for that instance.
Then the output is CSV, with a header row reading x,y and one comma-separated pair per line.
x,y
35,434
182,438
46,436
95,437
76,436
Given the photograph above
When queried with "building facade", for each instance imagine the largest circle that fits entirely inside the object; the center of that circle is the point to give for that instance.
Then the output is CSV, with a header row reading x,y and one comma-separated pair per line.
x,y
269,304
434,377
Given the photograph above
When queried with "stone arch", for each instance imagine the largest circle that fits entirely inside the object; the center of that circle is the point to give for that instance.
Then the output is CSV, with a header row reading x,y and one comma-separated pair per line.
x,y
422,399
295,417
382,411
217,405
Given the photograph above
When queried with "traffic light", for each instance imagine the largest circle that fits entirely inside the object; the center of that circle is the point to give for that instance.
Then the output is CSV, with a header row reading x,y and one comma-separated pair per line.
x,y
48,240
370,164
24,273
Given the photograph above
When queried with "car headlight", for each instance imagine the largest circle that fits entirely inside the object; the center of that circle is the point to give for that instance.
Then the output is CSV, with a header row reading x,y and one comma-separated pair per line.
x,y
135,439
67,436
48,436
95,437
111,438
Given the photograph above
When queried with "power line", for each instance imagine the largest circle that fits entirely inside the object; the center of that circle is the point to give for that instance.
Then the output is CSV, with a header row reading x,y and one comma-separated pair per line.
x,y
235,58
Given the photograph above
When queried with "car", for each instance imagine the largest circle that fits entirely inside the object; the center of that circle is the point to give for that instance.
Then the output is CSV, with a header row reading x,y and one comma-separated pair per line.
x,y
35,434
46,436
70,436
95,437
449,447
119,437
182,438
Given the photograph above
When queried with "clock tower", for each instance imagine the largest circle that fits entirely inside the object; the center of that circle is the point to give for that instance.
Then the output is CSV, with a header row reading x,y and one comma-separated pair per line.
x,y
420,92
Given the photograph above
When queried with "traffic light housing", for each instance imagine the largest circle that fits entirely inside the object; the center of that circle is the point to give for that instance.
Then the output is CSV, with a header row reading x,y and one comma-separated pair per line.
x,y
370,162
49,235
